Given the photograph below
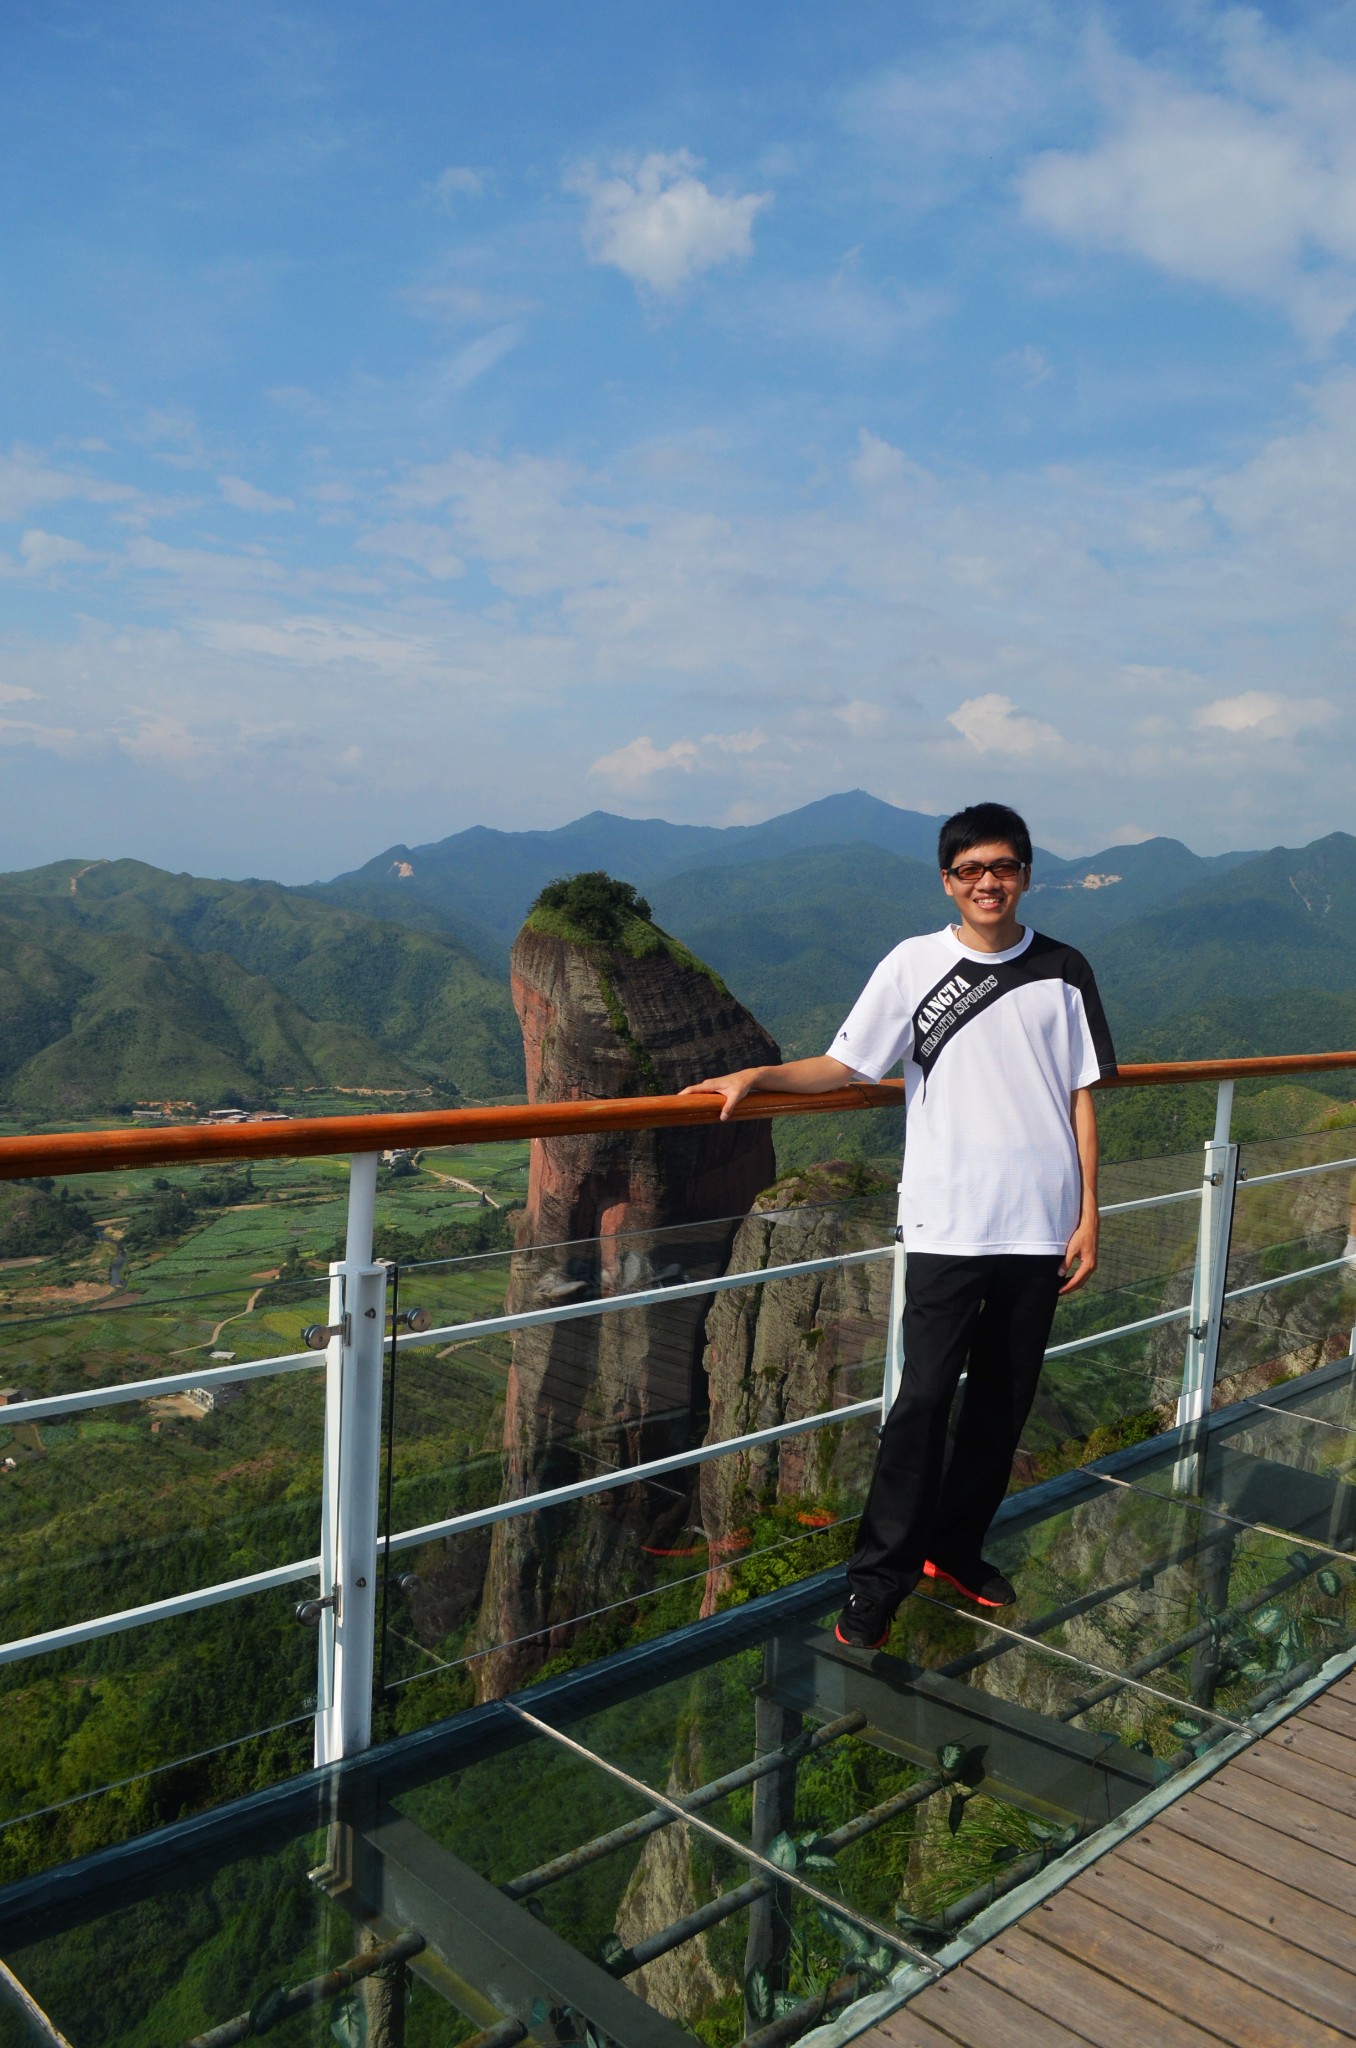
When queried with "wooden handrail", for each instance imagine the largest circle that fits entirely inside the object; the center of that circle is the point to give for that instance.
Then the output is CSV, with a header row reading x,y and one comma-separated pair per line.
x,y
311,1137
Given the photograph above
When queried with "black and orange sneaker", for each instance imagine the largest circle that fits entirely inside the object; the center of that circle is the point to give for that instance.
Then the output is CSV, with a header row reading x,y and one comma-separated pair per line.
x,y
981,1582
863,1624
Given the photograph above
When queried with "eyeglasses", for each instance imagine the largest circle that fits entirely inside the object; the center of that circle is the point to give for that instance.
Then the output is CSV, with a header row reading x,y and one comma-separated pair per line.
x,y
975,870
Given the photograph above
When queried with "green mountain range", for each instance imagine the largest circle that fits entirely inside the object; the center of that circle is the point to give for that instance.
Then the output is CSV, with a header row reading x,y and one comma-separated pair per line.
x,y
121,983
1188,952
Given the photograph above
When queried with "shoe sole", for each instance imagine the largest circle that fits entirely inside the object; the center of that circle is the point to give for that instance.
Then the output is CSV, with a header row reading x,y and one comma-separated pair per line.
x,y
934,1571
879,1644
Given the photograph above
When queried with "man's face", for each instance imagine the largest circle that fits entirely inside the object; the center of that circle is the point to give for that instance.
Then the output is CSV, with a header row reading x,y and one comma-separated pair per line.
x,y
987,901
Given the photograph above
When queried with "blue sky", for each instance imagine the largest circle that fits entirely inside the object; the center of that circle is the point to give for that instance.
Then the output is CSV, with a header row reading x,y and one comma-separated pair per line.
x,y
436,414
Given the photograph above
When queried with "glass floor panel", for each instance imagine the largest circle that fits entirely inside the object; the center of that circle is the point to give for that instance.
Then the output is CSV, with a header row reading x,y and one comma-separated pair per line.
x,y
737,1826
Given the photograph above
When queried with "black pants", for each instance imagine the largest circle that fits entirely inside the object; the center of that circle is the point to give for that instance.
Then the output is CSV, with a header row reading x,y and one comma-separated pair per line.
x,y
930,1498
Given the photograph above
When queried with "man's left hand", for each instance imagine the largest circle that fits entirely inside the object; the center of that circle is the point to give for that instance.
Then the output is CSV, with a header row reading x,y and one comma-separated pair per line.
x,y
1080,1257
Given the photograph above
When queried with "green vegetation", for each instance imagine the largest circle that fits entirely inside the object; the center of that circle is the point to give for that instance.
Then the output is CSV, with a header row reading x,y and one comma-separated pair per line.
x,y
35,1222
595,911
123,984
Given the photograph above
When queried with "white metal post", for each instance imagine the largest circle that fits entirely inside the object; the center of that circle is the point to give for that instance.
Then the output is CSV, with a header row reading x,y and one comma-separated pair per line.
x,y
894,1335
1218,1185
352,1480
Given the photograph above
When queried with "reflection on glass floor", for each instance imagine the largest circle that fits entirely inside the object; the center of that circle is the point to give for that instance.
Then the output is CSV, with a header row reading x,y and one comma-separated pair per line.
x,y
736,1829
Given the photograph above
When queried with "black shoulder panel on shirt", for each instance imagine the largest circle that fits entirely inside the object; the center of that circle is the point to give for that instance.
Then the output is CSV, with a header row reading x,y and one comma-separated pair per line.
x,y
971,988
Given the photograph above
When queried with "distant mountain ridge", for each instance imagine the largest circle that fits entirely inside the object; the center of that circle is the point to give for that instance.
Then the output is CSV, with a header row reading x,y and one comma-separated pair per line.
x,y
477,885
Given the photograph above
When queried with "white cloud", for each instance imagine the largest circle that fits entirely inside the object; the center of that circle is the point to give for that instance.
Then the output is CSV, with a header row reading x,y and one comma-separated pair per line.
x,y
414,540
1252,190
941,124
321,642
640,759
993,725
28,479
1027,365
44,551
460,371
1264,714
876,461
458,181
247,497
861,717
658,223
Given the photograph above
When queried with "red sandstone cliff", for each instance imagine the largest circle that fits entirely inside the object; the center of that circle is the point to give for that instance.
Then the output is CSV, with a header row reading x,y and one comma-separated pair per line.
x,y
612,1213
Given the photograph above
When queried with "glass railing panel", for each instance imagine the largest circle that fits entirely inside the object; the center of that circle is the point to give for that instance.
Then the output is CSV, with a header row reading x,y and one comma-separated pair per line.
x,y
1144,1266
1161,1588
1159,1174
114,1507
910,1785
1287,1468
1281,1228
1099,1400
63,1343
113,1736
484,1612
222,1942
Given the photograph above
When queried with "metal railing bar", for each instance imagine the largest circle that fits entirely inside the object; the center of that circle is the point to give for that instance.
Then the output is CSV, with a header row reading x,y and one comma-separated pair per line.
x,y
1284,1279
1258,1180
1150,1202
628,1475
173,1383
1168,1315
646,1297
1298,1415
78,1632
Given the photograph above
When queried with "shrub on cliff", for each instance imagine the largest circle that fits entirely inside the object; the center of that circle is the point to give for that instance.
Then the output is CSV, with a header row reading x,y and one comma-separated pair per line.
x,y
593,905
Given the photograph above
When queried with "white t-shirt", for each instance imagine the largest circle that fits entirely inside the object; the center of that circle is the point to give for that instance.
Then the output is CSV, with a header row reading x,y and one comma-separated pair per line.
x,y
993,1046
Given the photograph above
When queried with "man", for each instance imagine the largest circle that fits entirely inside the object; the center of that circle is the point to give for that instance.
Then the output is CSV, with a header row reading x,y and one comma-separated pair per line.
x,y
1001,1033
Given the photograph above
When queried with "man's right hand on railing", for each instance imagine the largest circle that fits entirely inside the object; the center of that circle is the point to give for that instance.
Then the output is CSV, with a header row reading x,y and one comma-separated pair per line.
x,y
817,1076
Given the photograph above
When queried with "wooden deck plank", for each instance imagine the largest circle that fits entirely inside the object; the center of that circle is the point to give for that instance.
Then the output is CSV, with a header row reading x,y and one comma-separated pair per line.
x,y
1272,1765
1230,1919
1257,1896
1339,1715
977,2014
1072,1992
1258,1847
908,2029
1189,1984
1287,1813
1303,1737
1200,1924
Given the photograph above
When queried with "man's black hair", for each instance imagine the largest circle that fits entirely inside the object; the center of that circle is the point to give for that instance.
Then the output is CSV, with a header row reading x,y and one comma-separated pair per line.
x,y
983,825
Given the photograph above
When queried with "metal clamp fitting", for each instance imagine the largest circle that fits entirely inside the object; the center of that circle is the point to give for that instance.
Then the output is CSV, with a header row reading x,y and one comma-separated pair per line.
x,y
308,1612
315,1336
413,1319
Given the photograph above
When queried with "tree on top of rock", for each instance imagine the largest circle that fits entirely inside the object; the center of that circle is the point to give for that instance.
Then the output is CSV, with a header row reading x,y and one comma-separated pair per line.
x,y
594,905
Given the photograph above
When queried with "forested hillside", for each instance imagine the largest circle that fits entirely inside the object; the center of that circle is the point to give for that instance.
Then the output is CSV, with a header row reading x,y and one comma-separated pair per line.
x,y
119,982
